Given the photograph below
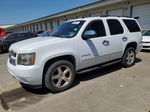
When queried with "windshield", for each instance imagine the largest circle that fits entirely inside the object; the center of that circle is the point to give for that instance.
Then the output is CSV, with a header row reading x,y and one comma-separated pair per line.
x,y
7,36
147,33
68,29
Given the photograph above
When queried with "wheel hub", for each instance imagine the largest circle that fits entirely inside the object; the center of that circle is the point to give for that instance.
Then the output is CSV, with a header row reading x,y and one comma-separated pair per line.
x,y
61,76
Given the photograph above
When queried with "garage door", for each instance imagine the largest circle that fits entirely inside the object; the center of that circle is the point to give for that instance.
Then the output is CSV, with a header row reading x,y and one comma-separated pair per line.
x,y
116,12
95,14
82,16
55,25
61,21
142,14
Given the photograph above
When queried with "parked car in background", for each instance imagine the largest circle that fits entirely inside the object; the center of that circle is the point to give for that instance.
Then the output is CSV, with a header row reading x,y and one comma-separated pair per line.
x,y
146,40
6,41
38,32
2,33
45,33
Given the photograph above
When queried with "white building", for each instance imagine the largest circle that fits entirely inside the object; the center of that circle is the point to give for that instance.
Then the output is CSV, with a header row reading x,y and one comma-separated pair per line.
x,y
139,9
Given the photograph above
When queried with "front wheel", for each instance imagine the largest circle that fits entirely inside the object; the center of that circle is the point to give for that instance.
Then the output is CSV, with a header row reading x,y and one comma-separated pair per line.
x,y
129,56
59,76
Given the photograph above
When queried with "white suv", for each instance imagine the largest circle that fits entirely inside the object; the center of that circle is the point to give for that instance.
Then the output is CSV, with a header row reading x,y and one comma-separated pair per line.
x,y
77,46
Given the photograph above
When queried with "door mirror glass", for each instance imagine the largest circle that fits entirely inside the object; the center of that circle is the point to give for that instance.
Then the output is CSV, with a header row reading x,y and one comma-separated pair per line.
x,y
89,34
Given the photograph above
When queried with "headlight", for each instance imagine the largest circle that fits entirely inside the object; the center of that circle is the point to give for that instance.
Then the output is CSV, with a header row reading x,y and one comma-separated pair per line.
x,y
26,59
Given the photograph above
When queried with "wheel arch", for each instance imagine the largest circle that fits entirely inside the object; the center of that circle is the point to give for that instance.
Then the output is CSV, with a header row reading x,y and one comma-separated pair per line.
x,y
131,44
69,58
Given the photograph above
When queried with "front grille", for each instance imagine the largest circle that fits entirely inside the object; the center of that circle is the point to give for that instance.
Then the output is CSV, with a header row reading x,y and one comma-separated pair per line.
x,y
12,57
146,46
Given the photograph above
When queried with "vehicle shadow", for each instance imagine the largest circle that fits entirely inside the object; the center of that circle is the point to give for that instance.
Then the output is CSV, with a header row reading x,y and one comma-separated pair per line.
x,y
4,52
18,98
145,51
101,72
86,76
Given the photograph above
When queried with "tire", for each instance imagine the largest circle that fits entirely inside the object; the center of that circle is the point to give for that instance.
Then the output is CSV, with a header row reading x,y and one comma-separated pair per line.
x,y
129,56
59,76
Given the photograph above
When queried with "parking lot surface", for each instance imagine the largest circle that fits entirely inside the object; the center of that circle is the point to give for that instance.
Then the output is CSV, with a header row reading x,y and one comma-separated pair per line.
x,y
111,89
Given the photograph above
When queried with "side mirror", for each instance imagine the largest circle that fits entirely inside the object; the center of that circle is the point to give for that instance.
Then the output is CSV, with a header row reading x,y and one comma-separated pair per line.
x,y
89,34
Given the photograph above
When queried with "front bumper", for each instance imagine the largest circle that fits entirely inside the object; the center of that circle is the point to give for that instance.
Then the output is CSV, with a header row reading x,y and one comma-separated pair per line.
x,y
31,75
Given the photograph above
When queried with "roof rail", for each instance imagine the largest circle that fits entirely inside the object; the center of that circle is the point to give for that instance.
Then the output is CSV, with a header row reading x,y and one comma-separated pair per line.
x,y
113,16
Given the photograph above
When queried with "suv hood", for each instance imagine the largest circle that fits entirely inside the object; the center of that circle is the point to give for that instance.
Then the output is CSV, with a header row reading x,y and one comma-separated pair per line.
x,y
30,45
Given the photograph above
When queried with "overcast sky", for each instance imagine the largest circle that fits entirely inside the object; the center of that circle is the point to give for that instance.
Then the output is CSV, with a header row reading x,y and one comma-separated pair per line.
x,y
18,11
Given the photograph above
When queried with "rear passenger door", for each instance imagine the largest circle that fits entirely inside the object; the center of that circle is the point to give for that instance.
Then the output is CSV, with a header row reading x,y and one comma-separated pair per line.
x,y
116,36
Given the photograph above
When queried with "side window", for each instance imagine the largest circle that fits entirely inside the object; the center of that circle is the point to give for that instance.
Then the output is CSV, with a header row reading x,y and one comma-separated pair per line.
x,y
132,25
32,35
11,37
27,35
115,27
21,35
98,27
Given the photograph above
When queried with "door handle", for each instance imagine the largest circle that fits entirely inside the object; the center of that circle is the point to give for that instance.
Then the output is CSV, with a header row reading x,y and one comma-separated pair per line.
x,y
124,39
106,43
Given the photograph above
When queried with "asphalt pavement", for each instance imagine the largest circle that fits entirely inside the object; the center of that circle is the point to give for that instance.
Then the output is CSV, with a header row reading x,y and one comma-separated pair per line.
x,y
111,89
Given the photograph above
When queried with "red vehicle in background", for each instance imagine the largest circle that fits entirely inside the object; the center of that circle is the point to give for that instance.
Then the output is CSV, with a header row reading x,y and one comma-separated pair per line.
x,y
2,33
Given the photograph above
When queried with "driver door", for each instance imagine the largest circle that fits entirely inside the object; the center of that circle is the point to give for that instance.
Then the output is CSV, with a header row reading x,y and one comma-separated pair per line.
x,y
94,50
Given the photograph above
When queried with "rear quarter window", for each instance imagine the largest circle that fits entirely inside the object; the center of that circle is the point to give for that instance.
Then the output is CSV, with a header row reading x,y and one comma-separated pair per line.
x,y
132,25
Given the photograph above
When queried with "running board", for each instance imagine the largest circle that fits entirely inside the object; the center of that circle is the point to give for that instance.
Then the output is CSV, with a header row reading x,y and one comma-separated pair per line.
x,y
90,69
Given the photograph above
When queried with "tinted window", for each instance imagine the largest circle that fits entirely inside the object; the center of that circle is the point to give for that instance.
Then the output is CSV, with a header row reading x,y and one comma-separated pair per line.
x,y
21,35
33,35
132,25
98,27
28,35
10,37
115,27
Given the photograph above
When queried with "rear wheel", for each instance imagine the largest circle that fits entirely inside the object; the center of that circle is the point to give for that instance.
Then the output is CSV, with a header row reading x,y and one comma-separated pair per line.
x,y
59,76
129,56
